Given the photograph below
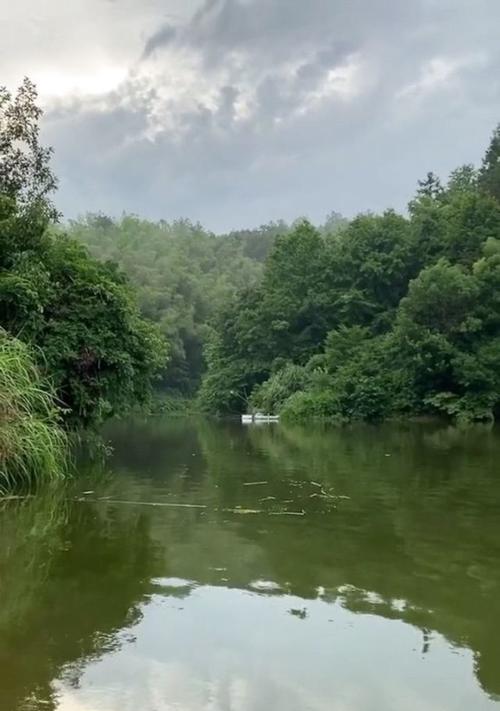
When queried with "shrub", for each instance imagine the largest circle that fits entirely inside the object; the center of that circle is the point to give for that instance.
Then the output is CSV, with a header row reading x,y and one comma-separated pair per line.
x,y
273,393
311,405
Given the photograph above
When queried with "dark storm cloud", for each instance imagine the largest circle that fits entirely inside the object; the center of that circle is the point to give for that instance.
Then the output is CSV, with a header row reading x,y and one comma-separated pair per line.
x,y
256,109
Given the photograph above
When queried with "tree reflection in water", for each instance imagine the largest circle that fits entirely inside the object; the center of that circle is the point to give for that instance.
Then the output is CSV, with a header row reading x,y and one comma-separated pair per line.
x,y
408,532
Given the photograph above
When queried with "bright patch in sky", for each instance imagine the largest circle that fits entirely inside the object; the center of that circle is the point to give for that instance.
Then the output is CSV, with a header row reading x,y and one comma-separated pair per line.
x,y
59,83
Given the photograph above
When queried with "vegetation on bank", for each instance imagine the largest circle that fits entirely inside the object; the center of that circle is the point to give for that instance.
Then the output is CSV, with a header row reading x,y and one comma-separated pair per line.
x,y
390,315
76,317
32,442
384,316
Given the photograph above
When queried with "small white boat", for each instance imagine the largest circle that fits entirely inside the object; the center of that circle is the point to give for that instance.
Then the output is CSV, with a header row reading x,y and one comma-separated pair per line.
x,y
259,417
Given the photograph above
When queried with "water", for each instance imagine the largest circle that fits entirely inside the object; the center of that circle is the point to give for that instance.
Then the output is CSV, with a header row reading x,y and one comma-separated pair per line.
x,y
308,569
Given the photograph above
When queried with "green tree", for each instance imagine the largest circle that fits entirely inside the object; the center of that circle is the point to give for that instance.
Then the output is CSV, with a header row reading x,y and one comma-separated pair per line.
x,y
489,175
447,340
371,266
25,172
441,299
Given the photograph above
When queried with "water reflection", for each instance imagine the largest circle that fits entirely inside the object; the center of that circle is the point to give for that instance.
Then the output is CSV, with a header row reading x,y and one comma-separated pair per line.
x,y
383,593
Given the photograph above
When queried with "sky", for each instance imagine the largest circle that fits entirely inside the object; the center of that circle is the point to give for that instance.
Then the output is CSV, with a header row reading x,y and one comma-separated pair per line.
x,y
237,112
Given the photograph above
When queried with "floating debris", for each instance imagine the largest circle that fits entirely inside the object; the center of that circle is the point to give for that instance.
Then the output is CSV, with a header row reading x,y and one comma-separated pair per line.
x,y
243,511
254,483
287,513
143,503
268,498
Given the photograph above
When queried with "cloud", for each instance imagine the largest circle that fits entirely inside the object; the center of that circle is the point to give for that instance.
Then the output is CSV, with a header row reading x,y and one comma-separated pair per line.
x,y
240,111
160,38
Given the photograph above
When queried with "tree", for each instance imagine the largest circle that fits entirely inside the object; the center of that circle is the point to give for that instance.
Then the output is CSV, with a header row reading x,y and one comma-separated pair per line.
x,y
430,187
446,339
25,172
470,219
462,180
489,175
372,264
441,298
294,312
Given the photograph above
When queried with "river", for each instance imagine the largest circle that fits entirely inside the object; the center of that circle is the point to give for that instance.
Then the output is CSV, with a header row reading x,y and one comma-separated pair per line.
x,y
209,566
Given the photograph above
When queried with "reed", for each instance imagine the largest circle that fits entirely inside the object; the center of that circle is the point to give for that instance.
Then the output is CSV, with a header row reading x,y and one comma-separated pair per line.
x,y
32,443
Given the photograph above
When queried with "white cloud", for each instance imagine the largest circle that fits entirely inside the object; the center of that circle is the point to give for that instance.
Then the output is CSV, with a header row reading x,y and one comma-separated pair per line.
x,y
440,73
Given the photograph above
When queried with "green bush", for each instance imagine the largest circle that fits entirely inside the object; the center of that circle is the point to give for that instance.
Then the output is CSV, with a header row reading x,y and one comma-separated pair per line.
x,y
312,405
272,394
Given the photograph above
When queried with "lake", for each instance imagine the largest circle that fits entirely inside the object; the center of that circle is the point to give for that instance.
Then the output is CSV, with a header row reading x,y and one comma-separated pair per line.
x,y
208,566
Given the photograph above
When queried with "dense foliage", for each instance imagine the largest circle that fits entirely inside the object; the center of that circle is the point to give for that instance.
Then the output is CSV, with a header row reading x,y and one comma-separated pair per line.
x,y
80,313
388,316
182,274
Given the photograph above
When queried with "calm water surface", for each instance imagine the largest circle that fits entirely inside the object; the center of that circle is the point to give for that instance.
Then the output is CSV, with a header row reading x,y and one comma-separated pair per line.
x,y
216,567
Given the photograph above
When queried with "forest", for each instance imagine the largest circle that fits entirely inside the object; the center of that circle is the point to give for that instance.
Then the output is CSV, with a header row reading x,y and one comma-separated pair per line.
x,y
381,316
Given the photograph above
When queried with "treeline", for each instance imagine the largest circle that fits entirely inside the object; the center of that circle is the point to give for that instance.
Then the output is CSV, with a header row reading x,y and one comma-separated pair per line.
x,y
74,348
389,316
386,315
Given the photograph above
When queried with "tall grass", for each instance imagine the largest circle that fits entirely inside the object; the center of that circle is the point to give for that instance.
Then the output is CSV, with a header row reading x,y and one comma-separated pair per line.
x,y
32,443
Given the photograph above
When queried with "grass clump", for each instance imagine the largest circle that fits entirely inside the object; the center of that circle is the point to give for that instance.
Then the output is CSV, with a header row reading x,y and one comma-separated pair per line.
x,y
32,443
